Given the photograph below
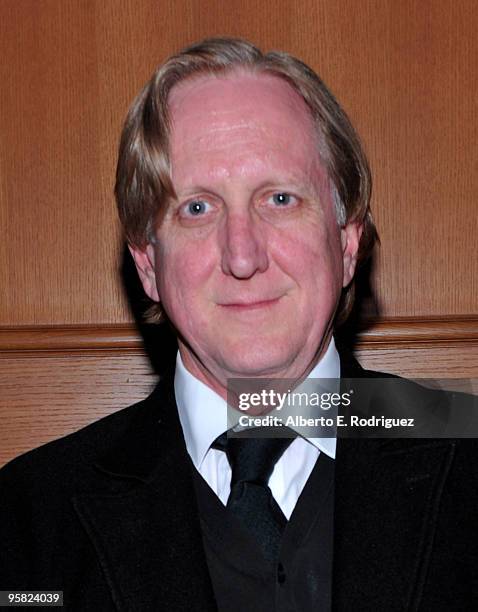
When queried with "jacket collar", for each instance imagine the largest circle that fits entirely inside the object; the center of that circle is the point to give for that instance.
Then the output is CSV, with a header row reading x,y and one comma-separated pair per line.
x,y
387,495
144,526
151,441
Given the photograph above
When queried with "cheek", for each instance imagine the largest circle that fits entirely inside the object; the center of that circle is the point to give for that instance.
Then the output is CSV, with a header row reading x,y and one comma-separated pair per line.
x,y
313,257
182,273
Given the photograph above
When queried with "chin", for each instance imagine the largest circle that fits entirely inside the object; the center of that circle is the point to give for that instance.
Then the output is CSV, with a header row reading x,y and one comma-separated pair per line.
x,y
258,361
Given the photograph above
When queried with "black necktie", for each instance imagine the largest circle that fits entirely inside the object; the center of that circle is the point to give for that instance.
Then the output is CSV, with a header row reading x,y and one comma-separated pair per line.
x,y
252,461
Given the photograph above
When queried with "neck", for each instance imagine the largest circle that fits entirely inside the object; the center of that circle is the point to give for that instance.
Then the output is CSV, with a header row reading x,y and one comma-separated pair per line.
x,y
216,378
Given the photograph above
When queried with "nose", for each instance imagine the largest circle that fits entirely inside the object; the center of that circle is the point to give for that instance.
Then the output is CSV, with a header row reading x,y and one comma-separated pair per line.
x,y
244,249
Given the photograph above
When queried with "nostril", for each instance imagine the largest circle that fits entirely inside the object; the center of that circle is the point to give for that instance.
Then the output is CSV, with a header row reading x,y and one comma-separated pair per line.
x,y
244,249
241,266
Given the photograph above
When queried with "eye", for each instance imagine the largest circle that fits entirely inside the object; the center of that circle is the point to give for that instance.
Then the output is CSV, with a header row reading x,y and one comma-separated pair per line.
x,y
196,208
282,199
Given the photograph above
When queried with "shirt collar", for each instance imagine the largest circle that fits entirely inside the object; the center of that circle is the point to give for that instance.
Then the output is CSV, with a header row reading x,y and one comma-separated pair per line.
x,y
203,413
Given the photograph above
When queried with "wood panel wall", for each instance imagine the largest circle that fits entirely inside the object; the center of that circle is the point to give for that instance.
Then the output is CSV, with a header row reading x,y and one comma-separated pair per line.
x,y
405,72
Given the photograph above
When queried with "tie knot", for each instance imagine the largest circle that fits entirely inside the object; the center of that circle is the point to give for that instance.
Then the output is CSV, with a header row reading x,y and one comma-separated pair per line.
x,y
252,459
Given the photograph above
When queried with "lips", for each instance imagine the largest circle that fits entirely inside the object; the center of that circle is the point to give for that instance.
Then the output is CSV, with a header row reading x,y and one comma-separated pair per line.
x,y
250,304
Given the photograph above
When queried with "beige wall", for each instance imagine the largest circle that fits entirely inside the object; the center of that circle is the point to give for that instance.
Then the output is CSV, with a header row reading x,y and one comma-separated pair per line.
x,y
405,71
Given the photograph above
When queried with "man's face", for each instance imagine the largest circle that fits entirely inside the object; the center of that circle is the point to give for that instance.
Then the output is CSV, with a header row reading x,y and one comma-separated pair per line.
x,y
249,260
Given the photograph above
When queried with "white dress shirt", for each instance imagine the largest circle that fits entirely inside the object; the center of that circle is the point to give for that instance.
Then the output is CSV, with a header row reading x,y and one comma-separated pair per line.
x,y
203,417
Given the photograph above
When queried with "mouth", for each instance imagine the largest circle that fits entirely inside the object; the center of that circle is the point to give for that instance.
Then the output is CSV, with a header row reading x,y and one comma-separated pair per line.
x,y
244,306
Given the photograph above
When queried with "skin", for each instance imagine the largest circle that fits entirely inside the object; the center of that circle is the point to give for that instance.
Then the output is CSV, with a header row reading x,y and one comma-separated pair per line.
x,y
249,260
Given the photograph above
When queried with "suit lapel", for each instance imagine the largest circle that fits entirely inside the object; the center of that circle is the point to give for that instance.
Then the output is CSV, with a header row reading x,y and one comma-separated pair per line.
x,y
144,524
387,496
386,506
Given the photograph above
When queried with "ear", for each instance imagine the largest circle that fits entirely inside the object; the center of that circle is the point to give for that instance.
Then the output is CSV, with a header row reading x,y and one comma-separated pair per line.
x,y
350,240
144,260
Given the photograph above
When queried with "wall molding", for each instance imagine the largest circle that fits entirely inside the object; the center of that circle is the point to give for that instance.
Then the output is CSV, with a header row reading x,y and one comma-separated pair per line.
x,y
67,339
416,332
124,339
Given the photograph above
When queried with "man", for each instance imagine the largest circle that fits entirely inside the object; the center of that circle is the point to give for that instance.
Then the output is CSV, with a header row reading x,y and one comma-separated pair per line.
x,y
244,194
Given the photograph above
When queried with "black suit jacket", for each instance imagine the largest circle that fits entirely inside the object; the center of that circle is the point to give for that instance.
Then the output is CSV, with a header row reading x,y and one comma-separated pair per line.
x,y
109,516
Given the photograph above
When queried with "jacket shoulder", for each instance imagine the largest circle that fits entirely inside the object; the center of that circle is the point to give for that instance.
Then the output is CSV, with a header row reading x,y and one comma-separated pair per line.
x,y
66,458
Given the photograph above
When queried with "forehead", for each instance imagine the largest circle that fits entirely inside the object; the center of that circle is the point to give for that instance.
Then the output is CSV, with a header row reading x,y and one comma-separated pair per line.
x,y
238,115
236,90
